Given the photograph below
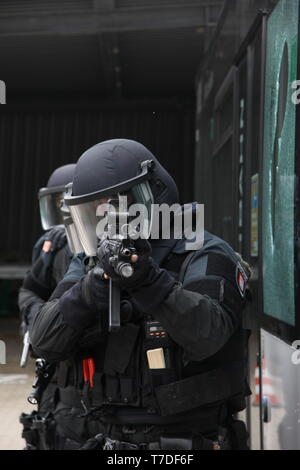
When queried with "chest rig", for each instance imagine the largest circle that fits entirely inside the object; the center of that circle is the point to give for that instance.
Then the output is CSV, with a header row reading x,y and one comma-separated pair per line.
x,y
140,366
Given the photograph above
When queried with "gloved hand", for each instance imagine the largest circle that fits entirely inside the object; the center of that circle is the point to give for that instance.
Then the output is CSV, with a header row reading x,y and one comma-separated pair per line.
x,y
149,284
39,279
141,264
55,239
95,290
86,301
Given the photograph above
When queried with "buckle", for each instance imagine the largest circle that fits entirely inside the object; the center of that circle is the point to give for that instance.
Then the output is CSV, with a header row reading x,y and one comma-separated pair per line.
x,y
109,444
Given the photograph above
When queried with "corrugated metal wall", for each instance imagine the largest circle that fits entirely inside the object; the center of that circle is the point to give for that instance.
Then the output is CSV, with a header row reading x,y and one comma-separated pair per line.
x,y
28,6
33,143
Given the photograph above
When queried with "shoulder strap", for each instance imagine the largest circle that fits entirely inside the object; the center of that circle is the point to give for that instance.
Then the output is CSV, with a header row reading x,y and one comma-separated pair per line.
x,y
185,264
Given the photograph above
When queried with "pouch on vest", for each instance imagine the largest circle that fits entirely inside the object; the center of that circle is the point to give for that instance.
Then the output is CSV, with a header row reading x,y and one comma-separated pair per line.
x,y
121,366
156,339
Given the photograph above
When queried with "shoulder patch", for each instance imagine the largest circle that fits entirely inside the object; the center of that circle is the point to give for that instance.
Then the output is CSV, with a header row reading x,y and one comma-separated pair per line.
x,y
241,279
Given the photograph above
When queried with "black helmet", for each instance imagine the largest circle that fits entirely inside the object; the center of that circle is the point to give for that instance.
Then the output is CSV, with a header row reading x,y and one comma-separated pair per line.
x,y
53,210
111,168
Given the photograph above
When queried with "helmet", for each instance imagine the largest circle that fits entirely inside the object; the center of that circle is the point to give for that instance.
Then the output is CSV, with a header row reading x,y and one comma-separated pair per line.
x,y
111,169
53,210
50,197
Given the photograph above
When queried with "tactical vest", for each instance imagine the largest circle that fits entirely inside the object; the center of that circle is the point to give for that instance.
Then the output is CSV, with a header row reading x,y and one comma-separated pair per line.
x,y
123,379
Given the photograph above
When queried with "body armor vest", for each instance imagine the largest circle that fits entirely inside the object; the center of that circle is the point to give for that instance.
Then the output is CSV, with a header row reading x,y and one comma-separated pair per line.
x,y
123,377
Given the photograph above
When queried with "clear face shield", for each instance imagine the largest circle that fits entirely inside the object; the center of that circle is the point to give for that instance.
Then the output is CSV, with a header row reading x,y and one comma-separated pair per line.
x,y
71,232
50,205
54,212
123,210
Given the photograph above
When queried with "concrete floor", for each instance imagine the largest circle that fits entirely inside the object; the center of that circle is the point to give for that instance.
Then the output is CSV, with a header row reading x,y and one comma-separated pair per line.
x,y
15,385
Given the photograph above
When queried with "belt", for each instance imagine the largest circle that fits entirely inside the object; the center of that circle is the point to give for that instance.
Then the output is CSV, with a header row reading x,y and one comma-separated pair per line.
x,y
114,415
101,442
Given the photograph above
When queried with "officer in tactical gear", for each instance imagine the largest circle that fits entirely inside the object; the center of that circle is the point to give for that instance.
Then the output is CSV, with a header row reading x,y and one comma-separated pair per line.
x,y
51,254
51,257
173,373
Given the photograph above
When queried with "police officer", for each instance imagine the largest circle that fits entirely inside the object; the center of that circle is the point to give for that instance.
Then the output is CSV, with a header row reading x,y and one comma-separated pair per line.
x,y
50,259
174,373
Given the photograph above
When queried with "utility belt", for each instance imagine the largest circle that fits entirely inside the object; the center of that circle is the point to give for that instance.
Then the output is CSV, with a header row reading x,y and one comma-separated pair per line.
x,y
232,435
145,371
103,442
207,391
203,419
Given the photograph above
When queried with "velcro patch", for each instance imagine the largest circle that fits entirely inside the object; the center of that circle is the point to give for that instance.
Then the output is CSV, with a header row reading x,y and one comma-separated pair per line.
x,y
241,279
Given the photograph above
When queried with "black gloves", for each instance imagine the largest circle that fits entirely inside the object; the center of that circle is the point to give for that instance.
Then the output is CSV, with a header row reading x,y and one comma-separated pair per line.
x,y
57,237
86,302
141,267
149,284
94,290
39,279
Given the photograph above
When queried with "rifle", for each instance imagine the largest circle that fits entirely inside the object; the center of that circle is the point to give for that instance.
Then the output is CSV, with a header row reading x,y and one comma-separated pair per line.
x,y
121,247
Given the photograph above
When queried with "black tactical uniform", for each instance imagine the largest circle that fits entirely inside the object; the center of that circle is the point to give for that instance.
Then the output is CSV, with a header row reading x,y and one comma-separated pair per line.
x,y
48,269
37,287
185,303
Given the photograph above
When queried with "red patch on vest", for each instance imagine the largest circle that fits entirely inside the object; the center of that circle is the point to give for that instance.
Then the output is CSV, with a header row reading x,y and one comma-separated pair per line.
x,y
241,278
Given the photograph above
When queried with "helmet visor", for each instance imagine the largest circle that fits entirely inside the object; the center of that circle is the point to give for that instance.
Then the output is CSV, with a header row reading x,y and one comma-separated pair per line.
x,y
71,232
127,213
50,201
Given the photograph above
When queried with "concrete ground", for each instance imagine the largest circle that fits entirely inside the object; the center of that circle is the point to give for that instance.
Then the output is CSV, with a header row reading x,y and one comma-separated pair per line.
x,y
15,386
